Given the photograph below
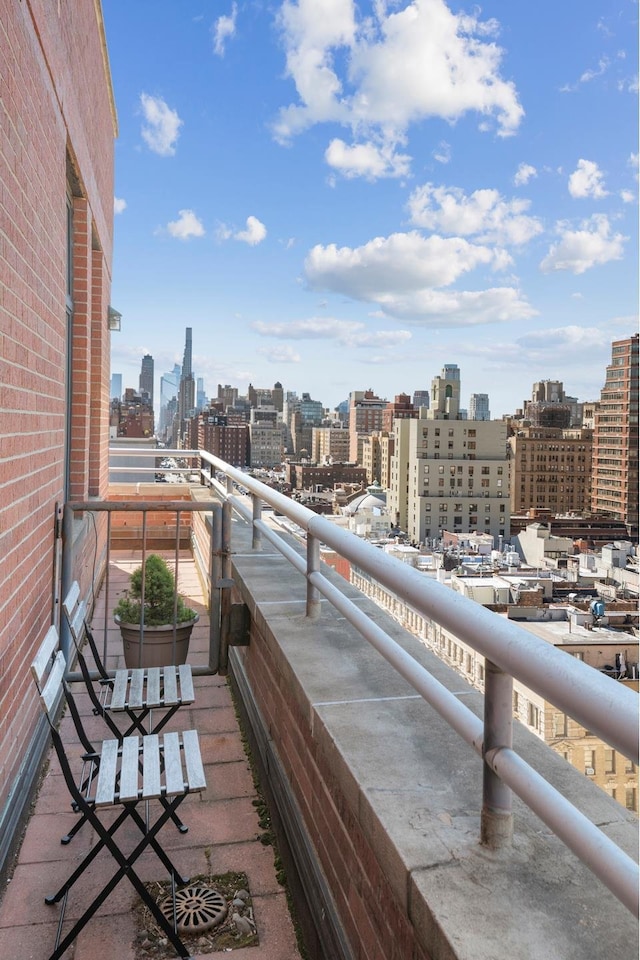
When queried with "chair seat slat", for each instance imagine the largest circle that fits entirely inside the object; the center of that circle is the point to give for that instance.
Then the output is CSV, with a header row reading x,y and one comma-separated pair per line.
x,y
152,697
193,761
174,777
151,780
120,685
129,787
136,689
107,774
187,694
170,686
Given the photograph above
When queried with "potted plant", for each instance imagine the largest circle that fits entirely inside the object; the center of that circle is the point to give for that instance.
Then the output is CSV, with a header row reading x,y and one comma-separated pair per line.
x,y
149,623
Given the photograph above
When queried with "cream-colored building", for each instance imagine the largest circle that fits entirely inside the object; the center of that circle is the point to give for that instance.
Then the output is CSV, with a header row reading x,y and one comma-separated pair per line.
x,y
330,444
447,473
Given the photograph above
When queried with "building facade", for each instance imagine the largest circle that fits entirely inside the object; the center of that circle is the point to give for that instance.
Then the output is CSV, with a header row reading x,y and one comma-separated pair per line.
x,y
56,169
228,441
365,416
550,469
449,474
330,444
615,438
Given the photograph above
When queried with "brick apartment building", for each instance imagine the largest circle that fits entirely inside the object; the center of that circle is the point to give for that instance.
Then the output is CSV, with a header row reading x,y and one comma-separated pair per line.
x,y
550,468
56,207
615,438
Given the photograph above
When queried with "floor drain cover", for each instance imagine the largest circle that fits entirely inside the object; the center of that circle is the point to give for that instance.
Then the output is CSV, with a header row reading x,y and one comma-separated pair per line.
x,y
197,909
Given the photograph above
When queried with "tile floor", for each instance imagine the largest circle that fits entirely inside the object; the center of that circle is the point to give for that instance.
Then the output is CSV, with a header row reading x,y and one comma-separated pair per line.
x,y
223,830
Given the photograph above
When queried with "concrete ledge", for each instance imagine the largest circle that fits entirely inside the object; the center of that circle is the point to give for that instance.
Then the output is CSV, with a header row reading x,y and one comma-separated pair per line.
x,y
389,798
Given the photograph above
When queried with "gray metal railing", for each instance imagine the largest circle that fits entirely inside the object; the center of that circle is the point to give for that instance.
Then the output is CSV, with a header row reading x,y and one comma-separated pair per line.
x,y
604,707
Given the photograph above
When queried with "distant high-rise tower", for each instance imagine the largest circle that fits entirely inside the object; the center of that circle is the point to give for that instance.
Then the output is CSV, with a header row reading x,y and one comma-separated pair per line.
x,y
420,399
201,397
187,389
614,489
169,386
479,407
146,377
116,386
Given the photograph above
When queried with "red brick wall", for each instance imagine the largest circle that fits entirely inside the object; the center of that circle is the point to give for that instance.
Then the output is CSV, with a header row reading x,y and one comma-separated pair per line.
x,y
376,926
55,97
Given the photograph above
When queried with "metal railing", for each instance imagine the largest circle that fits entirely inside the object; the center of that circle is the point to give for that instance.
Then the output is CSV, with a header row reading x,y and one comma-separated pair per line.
x,y
602,706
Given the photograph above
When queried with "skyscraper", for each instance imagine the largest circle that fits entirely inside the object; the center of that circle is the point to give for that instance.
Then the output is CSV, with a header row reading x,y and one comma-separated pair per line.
x,y
479,407
116,386
614,490
187,388
146,377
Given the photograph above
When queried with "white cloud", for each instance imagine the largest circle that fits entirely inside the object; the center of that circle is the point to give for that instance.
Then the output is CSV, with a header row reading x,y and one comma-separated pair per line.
x,y
367,160
627,196
382,74
162,125
633,163
187,225
351,333
402,272
484,214
224,28
443,309
119,205
254,233
579,250
280,354
400,262
524,173
587,181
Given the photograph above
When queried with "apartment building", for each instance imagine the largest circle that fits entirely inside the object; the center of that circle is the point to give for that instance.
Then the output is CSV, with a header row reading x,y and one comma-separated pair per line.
x,y
266,438
615,438
365,416
550,469
229,441
330,444
449,474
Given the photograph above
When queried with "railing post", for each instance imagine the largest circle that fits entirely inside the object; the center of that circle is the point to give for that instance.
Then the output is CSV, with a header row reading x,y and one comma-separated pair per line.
x,y
313,565
215,562
496,823
256,541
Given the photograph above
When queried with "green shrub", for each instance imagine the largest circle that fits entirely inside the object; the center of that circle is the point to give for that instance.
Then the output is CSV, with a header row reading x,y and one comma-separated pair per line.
x,y
159,597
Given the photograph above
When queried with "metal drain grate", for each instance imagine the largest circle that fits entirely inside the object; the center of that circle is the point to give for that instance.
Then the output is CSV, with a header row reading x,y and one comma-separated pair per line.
x,y
197,909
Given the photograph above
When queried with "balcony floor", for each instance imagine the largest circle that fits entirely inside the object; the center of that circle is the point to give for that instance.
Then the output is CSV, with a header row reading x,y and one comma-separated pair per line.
x,y
223,830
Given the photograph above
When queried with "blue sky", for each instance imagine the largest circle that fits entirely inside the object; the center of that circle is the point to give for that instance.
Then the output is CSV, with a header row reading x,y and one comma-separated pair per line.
x,y
343,196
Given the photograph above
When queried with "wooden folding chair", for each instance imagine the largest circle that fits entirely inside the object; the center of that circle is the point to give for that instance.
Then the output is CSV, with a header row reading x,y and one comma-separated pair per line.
x,y
135,694
126,773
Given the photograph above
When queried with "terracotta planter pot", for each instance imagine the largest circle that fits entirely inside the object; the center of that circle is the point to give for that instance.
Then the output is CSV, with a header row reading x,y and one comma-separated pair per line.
x,y
157,645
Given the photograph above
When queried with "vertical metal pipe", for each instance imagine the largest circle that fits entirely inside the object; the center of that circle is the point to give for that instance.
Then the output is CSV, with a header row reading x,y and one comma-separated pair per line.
x,y
496,822
106,589
214,589
313,565
256,541
67,575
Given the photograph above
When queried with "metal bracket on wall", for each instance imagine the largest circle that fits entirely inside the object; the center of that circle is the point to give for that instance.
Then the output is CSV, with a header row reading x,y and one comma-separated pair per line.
x,y
234,620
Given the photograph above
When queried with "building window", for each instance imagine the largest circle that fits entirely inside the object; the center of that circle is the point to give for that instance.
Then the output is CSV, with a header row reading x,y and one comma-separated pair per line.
x,y
589,762
630,800
609,760
533,716
629,766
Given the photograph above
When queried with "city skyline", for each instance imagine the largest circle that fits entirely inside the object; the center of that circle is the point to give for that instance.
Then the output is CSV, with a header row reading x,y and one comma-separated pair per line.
x,y
344,195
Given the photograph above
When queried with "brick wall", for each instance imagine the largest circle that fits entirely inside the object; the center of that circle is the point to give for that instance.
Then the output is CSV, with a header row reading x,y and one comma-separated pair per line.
x,y
56,105
376,925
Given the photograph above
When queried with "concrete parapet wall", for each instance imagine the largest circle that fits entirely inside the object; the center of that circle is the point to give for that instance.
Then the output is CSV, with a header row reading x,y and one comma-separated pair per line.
x,y
380,800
